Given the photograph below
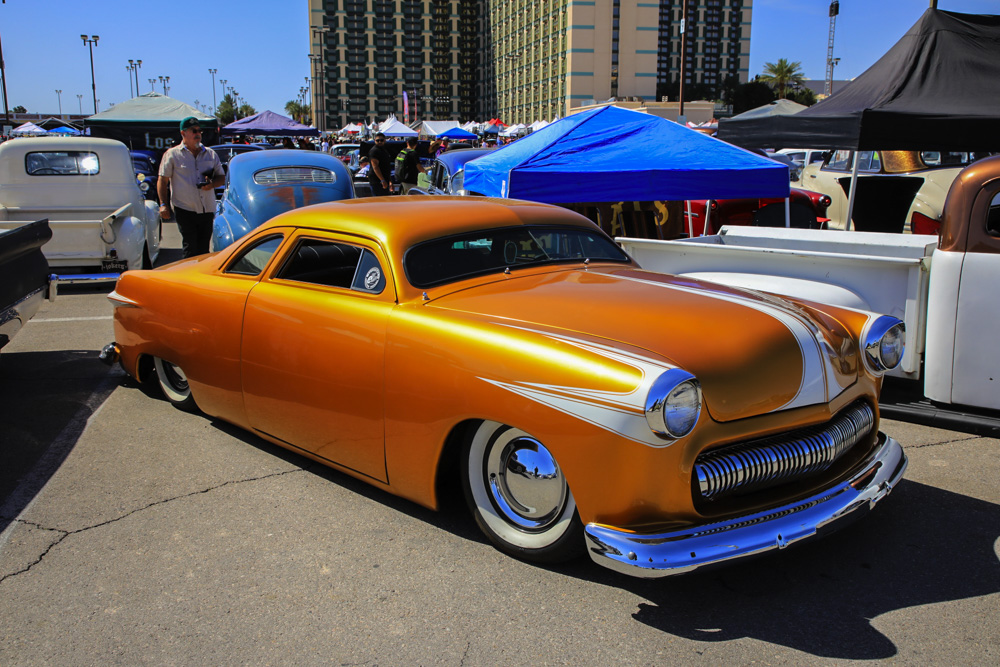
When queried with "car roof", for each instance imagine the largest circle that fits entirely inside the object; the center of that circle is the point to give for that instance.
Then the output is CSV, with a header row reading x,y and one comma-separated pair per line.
x,y
399,222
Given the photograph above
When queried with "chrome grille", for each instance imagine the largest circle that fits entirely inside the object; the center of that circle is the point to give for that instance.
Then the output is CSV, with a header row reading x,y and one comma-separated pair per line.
x,y
752,466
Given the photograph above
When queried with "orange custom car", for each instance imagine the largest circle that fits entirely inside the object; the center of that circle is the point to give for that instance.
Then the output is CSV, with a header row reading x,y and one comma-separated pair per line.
x,y
659,423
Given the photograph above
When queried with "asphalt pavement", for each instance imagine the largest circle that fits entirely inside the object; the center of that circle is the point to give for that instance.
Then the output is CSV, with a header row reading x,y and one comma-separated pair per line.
x,y
133,533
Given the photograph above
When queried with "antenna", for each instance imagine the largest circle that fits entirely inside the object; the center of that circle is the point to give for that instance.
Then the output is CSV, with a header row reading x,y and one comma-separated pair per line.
x,y
830,60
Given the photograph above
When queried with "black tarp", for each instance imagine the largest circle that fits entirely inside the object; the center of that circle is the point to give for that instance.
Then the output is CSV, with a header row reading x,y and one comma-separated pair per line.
x,y
937,88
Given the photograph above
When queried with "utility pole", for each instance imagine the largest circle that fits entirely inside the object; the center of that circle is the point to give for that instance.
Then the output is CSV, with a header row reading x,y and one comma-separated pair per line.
x,y
830,60
3,79
684,11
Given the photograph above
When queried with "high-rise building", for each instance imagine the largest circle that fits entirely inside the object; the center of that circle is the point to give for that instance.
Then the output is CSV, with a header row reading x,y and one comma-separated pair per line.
x,y
520,60
365,54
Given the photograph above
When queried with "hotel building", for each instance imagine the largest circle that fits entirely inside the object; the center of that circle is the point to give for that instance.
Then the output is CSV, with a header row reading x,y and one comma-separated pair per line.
x,y
520,60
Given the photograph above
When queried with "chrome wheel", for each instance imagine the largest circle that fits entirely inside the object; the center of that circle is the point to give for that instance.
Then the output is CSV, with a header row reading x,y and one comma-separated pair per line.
x,y
519,495
174,384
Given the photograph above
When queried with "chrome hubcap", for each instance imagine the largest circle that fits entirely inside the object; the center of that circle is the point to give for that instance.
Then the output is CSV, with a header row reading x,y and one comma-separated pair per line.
x,y
526,485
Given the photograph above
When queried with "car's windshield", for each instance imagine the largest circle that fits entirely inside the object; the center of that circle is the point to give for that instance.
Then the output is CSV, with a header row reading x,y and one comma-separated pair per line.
x,y
452,258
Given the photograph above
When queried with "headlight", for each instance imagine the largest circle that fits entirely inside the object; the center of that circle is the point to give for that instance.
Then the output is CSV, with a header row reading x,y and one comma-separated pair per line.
x,y
884,343
144,186
673,404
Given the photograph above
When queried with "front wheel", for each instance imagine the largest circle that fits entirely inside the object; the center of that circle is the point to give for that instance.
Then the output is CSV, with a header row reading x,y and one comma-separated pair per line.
x,y
174,384
519,495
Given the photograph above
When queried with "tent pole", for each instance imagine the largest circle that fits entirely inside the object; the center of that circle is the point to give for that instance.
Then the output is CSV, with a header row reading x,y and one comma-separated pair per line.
x,y
849,225
690,220
788,212
708,214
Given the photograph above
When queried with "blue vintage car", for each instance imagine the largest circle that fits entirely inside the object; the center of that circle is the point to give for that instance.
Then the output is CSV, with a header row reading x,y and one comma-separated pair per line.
x,y
262,184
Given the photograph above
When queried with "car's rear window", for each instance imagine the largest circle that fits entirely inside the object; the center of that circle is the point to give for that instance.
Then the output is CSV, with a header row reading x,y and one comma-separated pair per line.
x,y
293,176
452,258
62,163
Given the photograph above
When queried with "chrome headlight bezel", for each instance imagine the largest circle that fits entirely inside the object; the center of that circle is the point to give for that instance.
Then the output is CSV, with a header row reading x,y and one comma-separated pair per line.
x,y
880,333
665,398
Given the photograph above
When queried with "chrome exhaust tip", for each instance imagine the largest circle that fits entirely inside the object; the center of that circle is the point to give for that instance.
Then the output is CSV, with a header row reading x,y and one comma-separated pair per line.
x,y
110,354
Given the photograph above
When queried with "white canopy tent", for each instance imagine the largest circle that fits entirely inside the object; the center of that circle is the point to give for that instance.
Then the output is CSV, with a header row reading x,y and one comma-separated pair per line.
x,y
432,128
393,128
513,131
28,130
352,128
537,125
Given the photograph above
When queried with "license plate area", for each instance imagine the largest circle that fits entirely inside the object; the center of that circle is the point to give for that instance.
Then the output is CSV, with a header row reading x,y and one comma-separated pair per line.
x,y
113,265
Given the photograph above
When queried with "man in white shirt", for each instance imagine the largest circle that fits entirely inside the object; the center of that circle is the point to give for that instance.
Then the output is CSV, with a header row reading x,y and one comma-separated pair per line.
x,y
189,174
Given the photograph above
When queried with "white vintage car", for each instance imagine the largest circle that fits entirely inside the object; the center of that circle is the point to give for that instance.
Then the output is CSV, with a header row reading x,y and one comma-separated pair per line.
x,y
897,190
101,223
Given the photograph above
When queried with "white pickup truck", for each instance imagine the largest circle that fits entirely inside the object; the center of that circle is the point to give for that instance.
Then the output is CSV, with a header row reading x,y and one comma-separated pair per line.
x,y
86,188
941,287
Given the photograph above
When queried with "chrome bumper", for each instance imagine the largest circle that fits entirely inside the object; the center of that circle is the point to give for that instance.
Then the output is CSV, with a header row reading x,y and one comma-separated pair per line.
x,y
677,552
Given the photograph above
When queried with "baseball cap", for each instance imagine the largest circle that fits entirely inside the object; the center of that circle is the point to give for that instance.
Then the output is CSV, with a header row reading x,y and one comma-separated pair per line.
x,y
190,122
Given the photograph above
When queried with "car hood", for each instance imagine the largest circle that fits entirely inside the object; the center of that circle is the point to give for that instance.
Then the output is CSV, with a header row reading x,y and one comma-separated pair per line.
x,y
752,353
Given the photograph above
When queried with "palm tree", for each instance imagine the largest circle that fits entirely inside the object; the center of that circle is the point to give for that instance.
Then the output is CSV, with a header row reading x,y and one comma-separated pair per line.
x,y
782,74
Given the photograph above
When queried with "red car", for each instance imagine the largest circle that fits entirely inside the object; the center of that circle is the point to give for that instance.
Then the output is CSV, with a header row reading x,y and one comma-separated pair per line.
x,y
807,210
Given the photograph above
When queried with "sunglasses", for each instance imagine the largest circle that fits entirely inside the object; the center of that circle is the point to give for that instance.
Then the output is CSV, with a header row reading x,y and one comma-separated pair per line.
x,y
196,130
380,141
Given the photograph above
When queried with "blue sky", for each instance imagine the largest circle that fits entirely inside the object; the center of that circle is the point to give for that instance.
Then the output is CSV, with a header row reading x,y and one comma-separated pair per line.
x,y
261,47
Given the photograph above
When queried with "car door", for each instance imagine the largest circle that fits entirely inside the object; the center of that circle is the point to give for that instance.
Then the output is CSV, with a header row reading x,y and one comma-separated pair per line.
x,y
976,372
313,350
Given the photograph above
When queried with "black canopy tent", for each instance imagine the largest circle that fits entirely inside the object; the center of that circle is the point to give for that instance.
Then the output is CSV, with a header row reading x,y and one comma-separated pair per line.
x,y
937,88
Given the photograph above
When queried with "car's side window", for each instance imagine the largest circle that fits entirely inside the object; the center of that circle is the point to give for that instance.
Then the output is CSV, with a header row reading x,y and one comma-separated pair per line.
x,y
369,277
323,263
993,217
253,260
840,161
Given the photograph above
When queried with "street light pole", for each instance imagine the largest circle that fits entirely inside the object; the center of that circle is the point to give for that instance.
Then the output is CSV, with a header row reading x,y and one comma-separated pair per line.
x,y
59,95
92,42
79,100
213,72
138,66
152,82
128,68
3,80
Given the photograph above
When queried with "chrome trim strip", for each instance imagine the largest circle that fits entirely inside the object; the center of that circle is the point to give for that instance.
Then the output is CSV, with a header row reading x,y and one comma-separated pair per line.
x,y
685,550
759,464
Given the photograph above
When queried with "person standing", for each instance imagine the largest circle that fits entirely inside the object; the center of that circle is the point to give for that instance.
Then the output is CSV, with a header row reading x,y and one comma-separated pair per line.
x,y
409,166
189,174
378,173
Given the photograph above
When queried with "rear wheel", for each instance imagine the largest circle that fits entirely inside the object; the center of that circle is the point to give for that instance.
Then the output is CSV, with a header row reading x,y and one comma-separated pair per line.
x,y
519,496
174,384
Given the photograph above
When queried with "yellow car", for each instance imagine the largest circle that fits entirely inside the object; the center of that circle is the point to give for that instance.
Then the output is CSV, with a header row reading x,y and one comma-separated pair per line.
x,y
658,423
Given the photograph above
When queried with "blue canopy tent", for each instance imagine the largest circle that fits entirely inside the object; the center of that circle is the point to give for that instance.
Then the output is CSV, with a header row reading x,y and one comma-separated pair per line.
x,y
66,130
612,155
456,133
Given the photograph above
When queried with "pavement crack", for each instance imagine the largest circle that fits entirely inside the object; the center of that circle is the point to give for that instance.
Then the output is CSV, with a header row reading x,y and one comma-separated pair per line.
x,y
943,442
67,533
468,645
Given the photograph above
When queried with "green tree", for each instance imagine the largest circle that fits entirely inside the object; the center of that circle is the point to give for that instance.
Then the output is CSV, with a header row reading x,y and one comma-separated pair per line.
x,y
803,96
781,75
226,111
299,112
246,110
19,109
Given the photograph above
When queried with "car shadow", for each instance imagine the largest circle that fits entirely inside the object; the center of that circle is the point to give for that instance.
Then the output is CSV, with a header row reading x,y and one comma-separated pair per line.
x,y
922,545
47,398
